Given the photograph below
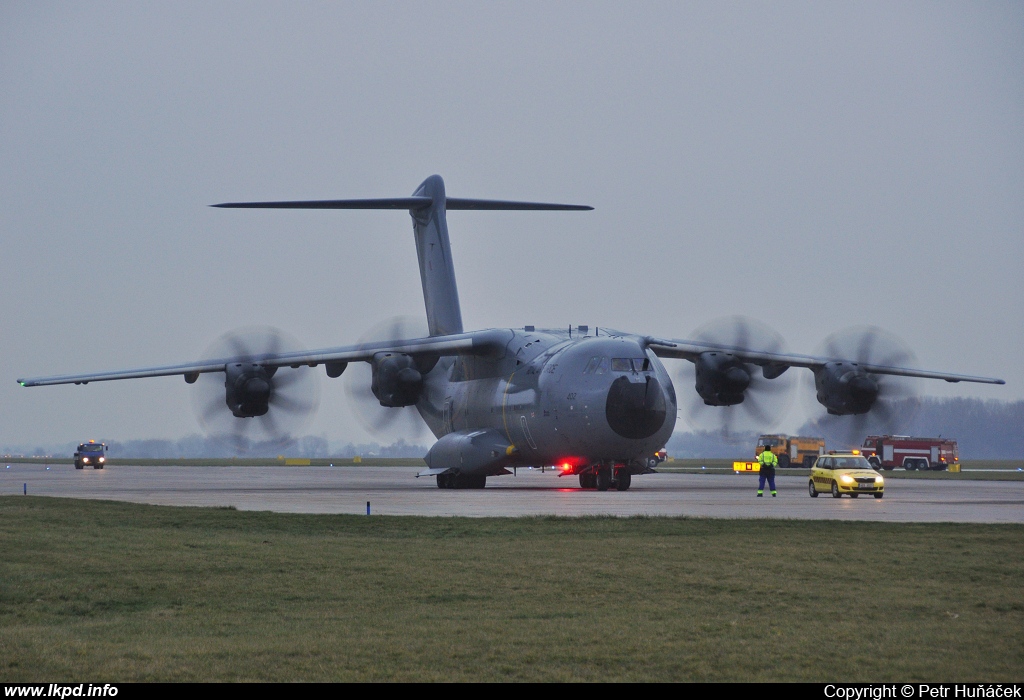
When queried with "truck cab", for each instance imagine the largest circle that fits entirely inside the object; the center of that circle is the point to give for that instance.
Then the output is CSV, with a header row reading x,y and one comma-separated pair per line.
x,y
91,454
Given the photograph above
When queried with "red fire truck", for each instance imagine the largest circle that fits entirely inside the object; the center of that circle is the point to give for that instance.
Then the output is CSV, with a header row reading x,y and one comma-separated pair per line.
x,y
891,451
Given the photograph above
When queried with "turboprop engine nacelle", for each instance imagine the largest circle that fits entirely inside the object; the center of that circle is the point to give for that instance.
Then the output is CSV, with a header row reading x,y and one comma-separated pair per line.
x,y
247,389
397,381
721,378
845,389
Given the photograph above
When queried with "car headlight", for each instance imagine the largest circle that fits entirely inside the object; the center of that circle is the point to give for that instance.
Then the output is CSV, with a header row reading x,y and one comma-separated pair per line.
x,y
846,479
879,481
103,459
85,459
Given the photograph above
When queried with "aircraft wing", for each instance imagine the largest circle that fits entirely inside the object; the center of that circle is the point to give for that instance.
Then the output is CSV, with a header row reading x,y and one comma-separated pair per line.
x,y
474,343
775,363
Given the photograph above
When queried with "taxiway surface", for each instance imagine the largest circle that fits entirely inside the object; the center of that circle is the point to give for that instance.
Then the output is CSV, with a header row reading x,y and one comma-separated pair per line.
x,y
396,491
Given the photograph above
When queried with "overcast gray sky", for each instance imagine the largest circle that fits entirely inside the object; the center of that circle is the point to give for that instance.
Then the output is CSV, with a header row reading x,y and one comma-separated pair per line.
x,y
870,156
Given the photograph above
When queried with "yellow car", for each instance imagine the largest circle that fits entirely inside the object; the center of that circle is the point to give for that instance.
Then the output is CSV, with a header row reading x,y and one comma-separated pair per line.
x,y
845,472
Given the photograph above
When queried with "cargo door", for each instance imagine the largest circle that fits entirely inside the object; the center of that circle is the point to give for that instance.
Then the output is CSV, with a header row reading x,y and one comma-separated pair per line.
x,y
886,453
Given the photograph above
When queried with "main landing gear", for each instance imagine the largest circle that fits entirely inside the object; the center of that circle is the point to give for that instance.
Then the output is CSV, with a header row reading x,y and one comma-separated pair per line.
x,y
605,477
460,481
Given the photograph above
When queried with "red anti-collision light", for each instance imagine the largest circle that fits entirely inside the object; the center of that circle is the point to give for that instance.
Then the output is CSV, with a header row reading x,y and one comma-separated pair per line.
x,y
569,462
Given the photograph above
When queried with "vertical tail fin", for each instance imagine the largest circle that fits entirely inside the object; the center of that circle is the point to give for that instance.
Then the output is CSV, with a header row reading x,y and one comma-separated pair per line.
x,y
434,252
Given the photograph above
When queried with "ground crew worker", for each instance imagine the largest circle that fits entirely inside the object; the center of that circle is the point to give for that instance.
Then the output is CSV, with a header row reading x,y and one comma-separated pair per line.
x,y
768,462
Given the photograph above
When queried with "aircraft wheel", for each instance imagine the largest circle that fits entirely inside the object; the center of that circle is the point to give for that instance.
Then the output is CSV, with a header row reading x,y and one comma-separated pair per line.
x,y
811,491
604,478
623,481
588,480
835,490
652,463
442,481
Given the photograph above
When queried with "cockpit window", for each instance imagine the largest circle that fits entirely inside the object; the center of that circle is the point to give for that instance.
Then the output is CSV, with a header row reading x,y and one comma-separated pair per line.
x,y
597,365
629,364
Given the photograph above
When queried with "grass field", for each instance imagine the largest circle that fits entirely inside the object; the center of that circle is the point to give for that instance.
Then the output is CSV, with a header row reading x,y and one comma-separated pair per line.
x,y
103,591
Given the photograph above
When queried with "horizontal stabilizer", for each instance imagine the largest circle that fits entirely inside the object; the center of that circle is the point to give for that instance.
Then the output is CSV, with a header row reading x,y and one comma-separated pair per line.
x,y
410,203
392,203
455,203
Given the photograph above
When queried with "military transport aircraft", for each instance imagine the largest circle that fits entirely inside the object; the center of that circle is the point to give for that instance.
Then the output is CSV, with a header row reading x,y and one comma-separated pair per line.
x,y
596,403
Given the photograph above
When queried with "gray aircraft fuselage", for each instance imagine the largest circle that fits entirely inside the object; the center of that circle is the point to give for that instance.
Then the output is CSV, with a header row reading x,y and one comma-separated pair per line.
x,y
578,400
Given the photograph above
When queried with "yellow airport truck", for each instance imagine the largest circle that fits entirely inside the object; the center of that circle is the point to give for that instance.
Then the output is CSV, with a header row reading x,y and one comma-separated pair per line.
x,y
792,450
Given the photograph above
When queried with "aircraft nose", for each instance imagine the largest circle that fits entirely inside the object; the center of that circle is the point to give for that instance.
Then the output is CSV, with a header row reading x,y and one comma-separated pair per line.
x,y
636,410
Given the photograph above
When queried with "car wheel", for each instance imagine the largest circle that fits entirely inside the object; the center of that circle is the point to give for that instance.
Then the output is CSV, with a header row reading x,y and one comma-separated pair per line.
x,y
879,494
808,462
811,491
783,461
854,495
909,465
835,490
